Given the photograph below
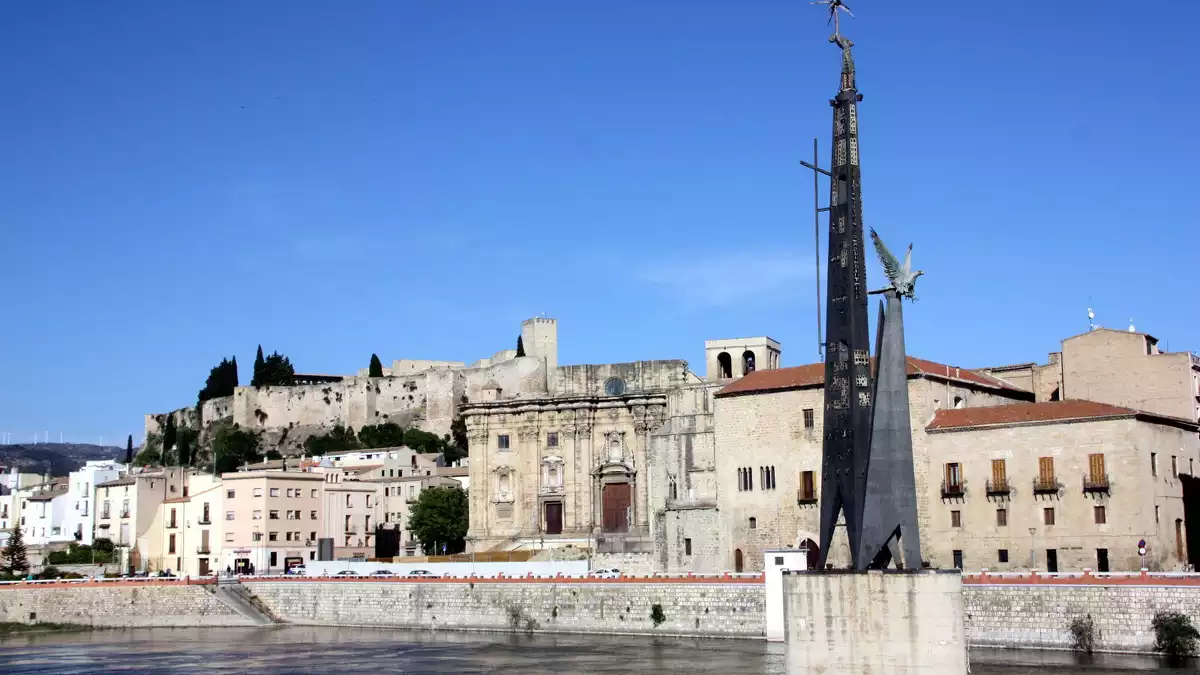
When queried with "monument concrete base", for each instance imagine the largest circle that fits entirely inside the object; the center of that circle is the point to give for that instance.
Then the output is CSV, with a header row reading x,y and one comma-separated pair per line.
x,y
889,622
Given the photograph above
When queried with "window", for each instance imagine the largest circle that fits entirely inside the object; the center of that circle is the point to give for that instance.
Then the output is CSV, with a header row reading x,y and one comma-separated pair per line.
x,y
1174,466
257,515
272,536
274,559
501,442
229,515
687,546
1096,468
1003,557
808,486
313,494
313,536
552,440
1154,464
724,366
1102,560
1099,514
745,479
810,420
368,501
105,510
1045,481
229,494
292,515
258,492
766,477
1156,514
274,492
958,560
956,519
1051,560
312,515
672,488
287,536
1048,516
953,482
173,523
1001,517
170,543
349,501
289,492
754,523
999,475
348,527
228,537
256,536
959,402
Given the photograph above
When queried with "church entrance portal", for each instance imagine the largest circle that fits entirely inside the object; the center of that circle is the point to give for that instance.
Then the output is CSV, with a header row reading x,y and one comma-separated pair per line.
x,y
554,517
616,500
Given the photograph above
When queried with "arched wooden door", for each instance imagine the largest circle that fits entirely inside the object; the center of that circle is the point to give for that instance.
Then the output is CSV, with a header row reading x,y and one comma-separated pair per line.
x,y
737,560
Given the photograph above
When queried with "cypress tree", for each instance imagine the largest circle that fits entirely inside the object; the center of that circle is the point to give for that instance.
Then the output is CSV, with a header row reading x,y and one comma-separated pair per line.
x,y
129,450
260,364
520,346
376,367
14,561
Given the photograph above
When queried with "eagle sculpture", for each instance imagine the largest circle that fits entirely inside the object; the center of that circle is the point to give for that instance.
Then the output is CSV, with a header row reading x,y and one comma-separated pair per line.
x,y
902,277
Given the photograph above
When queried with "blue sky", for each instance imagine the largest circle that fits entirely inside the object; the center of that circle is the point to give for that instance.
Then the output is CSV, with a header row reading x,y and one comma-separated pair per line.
x,y
183,181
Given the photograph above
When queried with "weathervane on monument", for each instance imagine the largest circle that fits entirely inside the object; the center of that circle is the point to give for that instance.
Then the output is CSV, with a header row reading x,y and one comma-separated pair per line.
x,y
834,5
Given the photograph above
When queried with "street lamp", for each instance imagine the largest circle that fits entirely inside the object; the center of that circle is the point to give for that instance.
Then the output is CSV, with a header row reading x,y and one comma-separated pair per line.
x,y
258,544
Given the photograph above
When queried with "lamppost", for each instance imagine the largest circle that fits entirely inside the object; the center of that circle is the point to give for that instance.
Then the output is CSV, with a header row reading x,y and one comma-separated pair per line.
x,y
257,545
1032,550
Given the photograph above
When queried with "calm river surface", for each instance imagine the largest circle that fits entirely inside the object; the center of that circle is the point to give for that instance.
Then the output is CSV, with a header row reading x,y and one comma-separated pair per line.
x,y
301,651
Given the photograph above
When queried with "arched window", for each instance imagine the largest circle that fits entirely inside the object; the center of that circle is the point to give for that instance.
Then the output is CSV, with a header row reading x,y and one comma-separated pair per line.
x,y
672,489
724,365
959,402
737,560
747,362
753,523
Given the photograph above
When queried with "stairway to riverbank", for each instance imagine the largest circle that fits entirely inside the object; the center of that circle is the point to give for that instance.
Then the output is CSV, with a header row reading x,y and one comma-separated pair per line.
x,y
237,597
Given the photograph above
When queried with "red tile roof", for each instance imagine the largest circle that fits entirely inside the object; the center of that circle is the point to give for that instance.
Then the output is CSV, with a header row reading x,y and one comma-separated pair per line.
x,y
813,375
1042,413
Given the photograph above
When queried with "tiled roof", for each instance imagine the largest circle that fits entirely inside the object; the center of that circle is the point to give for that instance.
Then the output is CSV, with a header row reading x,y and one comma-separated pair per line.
x,y
47,495
1043,413
177,500
813,375
124,480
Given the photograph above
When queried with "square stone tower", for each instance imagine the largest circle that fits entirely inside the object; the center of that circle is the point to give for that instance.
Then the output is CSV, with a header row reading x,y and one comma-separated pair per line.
x,y
539,335
737,357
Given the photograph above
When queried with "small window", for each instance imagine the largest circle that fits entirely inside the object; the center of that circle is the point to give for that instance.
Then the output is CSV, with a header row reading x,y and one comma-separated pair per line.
x,y
1102,560
778,560
1174,466
687,546
274,515
1001,517
958,560
1153,464
228,536
1003,557
956,519
501,442
273,536
312,536
312,515
1048,516
552,439
1156,514
257,515
1100,515
229,495
810,420
313,494
754,523
229,515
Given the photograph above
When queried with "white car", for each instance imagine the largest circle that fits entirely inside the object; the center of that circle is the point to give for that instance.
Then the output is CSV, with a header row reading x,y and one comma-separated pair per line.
x,y
606,573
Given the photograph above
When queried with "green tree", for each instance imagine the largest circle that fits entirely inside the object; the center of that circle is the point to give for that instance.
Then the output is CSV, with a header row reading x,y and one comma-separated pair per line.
x,y
376,367
13,560
274,371
129,450
520,346
440,518
423,441
185,446
148,457
222,380
259,364
232,447
338,438
170,435
386,435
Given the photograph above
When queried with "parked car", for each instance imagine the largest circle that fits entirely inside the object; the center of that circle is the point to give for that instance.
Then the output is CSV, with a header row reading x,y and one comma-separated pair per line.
x,y
606,573
383,573
423,573
298,571
347,573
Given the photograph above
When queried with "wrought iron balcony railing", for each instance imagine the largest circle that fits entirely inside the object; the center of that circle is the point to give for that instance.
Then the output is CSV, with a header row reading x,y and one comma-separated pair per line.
x,y
806,496
954,489
999,487
1046,485
1096,484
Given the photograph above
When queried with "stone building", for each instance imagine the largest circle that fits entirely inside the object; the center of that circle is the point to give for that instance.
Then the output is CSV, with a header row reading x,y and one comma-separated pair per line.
x,y
1121,368
768,431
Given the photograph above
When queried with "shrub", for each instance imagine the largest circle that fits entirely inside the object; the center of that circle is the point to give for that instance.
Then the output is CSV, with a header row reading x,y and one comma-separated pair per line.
x,y
1083,633
1174,634
103,544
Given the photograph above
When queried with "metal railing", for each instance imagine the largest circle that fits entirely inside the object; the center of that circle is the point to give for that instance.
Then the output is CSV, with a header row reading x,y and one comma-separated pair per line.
x,y
1046,485
1096,483
806,496
999,487
954,489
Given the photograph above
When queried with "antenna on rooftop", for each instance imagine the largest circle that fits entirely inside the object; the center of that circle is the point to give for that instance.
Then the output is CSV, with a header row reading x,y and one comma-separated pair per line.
x,y
1131,328
1091,319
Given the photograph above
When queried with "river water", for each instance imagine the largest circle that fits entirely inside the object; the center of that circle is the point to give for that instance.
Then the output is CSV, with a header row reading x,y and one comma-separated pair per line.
x,y
336,651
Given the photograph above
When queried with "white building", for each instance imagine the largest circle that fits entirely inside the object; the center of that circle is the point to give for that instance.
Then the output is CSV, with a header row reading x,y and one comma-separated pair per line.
x,y
43,512
79,522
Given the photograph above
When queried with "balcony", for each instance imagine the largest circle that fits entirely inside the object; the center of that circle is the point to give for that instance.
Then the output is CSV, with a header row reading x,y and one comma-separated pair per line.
x,y
999,488
955,490
1046,486
1096,484
124,514
172,525
203,549
804,497
351,529
204,520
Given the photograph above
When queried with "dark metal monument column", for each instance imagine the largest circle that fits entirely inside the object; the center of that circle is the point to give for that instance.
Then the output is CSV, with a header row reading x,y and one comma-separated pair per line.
x,y
848,385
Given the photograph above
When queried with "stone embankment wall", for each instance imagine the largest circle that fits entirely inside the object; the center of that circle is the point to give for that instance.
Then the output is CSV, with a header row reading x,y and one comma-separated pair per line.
x,y
730,607
1035,611
116,604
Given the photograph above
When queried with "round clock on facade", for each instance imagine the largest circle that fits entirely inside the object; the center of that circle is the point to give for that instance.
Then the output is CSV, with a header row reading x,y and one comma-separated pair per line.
x,y
614,386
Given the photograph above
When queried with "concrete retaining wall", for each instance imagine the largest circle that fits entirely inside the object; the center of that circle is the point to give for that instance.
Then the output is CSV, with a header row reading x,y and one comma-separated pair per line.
x,y
317,568
702,607
116,604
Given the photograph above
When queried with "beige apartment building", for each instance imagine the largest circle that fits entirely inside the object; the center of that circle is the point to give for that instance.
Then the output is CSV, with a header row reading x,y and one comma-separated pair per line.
x,y
271,519
190,529
351,509
127,508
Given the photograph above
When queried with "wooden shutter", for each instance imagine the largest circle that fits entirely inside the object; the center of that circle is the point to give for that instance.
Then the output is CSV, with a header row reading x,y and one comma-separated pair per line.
x,y
1046,469
1096,467
999,472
